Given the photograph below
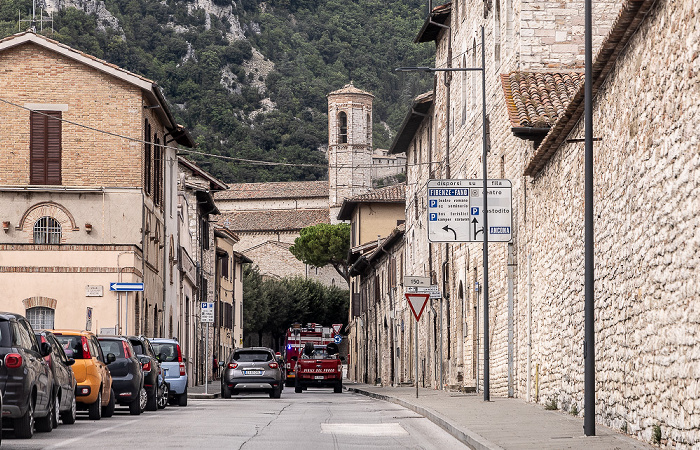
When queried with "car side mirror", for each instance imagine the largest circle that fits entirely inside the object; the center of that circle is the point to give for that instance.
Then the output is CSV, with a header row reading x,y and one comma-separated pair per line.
x,y
111,358
144,359
221,364
70,362
45,349
342,358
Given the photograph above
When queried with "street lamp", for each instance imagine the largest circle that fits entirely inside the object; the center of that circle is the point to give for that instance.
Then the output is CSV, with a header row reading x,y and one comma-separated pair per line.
x,y
482,69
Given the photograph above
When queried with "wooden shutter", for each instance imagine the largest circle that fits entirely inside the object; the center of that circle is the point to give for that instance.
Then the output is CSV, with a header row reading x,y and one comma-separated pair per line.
x,y
45,147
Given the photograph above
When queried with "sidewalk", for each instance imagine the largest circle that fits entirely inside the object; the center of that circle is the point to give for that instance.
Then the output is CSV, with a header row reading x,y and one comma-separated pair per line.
x,y
503,423
197,392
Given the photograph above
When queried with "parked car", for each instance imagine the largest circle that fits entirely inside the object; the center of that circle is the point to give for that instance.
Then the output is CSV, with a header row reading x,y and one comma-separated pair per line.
x,y
127,373
154,382
252,369
94,389
63,379
25,378
169,354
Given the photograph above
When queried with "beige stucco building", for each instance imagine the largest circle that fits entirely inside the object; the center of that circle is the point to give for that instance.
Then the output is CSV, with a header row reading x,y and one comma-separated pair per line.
x,y
85,190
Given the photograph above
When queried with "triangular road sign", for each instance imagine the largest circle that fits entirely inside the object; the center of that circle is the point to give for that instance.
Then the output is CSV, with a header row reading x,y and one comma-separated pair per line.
x,y
417,303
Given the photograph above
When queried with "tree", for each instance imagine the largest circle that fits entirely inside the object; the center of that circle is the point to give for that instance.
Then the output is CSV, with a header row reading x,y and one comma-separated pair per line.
x,y
324,244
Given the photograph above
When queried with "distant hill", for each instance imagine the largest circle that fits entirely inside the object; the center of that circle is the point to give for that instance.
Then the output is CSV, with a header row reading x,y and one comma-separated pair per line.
x,y
249,78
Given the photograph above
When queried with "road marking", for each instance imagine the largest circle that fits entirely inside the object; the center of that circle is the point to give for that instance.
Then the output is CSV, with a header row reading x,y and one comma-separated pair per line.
x,y
100,431
364,429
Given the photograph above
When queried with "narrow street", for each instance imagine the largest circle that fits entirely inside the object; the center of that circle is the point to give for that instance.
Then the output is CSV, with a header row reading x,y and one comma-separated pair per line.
x,y
315,419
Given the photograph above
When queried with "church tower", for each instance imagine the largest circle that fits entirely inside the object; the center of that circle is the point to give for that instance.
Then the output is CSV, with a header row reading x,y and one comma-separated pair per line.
x,y
349,145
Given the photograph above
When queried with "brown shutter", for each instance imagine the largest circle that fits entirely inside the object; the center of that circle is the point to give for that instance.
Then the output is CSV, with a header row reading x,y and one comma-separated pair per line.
x,y
45,147
53,148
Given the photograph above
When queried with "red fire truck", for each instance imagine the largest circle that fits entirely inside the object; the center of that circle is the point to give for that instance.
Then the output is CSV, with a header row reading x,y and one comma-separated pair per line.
x,y
297,336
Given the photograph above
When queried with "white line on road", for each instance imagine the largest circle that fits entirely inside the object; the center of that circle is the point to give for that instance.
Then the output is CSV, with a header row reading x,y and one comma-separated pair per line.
x,y
364,429
100,431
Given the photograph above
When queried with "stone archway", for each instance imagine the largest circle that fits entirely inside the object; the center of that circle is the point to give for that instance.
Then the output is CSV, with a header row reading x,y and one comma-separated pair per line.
x,y
47,209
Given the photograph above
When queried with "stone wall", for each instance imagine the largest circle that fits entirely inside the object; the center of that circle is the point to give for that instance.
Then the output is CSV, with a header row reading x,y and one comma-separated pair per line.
x,y
646,193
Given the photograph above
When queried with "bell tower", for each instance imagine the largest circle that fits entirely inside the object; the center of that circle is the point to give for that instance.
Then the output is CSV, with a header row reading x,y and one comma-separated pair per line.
x,y
349,145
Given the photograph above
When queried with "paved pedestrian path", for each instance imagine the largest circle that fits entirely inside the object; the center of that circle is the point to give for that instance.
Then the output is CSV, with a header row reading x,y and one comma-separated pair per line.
x,y
502,423
213,390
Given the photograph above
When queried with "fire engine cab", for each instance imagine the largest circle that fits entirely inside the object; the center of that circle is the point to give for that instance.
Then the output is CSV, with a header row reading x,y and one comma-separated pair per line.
x,y
297,337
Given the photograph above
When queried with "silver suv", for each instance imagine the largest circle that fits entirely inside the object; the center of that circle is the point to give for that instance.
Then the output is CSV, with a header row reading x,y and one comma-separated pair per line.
x,y
252,369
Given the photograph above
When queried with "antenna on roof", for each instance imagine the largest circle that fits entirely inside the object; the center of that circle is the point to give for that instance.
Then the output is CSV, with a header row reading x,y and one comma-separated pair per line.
x,y
33,21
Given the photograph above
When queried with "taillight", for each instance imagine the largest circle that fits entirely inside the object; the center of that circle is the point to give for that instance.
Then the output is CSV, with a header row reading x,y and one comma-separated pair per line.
x,y
13,360
273,365
182,369
127,352
179,359
86,349
232,365
146,366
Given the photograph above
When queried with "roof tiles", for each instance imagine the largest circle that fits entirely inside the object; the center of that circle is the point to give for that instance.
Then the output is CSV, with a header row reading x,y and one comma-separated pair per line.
x,y
274,220
290,189
537,99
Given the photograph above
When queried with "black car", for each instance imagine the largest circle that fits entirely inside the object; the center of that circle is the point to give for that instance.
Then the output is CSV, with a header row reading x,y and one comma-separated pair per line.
x,y
127,373
154,382
63,379
25,378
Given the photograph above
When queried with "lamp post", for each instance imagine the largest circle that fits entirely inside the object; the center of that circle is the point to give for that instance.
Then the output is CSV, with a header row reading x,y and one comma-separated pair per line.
x,y
482,69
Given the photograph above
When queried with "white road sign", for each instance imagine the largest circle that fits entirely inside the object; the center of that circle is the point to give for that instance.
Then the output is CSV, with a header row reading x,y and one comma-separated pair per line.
x,y
207,312
433,290
456,210
416,281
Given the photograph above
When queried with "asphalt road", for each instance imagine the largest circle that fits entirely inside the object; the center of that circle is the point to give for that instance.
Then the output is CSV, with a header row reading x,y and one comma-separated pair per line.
x,y
314,419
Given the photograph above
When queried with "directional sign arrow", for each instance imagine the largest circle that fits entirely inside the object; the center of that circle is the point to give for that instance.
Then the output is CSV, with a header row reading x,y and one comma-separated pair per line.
x,y
447,228
480,230
128,287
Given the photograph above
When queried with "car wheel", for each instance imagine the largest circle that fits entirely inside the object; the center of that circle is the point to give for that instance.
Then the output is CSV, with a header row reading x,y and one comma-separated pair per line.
x,y
163,399
135,407
182,399
276,392
68,417
95,409
108,411
152,403
45,424
24,426
338,388
56,412
143,399
225,391
297,387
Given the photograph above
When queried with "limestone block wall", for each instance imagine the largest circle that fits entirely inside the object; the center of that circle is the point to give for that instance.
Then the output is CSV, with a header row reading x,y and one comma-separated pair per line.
x,y
647,192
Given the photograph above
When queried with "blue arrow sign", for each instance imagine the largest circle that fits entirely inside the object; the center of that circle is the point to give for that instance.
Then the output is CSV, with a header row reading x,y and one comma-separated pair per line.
x,y
338,339
128,287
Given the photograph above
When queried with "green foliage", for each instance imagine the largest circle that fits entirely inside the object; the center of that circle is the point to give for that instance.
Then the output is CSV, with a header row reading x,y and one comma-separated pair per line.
x,y
551,404
317,46
270,305
324,244
574,410
656,434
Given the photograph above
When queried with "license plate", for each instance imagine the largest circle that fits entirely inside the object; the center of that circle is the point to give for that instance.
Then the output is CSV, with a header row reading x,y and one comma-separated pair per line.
x,y
252,372
319,377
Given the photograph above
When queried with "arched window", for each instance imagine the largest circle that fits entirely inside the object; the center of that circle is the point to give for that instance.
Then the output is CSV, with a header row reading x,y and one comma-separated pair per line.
x,y
47,230
342,128
41,318
369,129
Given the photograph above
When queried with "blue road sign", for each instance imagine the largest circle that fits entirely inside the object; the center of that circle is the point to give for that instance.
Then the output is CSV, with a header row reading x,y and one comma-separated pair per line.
x,y
338,339
126,287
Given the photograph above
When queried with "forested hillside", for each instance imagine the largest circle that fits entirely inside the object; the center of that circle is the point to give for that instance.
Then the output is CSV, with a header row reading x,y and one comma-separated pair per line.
x,y
249,78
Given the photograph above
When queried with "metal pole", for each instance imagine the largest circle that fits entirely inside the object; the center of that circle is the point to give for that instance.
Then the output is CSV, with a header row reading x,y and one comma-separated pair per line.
x,y
415,347
589,345
206,361
487,393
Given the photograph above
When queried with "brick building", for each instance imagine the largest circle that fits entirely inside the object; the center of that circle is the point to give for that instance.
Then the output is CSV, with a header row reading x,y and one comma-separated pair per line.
x,y
86,190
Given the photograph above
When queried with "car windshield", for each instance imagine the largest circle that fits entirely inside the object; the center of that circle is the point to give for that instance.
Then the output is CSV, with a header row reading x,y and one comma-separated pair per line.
x,y
115,347
252,356
318,353
166,350
5,333
72,346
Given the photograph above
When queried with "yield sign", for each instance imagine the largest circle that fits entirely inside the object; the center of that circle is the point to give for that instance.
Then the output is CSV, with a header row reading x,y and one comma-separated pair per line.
x,y
417,303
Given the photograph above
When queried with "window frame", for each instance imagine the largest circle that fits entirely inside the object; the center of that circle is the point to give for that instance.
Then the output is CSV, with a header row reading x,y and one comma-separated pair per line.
x,y
45,147
47,232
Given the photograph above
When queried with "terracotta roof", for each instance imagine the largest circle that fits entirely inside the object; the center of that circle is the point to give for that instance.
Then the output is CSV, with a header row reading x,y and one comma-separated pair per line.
x,y
274,220
290,189
350,89
538,99
631,16
389,194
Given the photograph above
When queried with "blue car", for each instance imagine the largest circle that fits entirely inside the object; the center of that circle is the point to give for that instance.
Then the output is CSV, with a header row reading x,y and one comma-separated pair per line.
x,y
170,356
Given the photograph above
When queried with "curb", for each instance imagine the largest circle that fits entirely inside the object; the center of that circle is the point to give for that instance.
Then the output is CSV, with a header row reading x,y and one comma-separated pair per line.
x,y
468,438
203,396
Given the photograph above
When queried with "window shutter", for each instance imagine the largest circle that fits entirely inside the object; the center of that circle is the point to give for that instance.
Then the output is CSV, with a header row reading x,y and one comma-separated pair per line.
x,y
45,147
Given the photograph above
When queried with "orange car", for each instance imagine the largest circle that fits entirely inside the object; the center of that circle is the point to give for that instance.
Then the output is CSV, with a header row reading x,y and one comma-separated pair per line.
x,y
94,389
